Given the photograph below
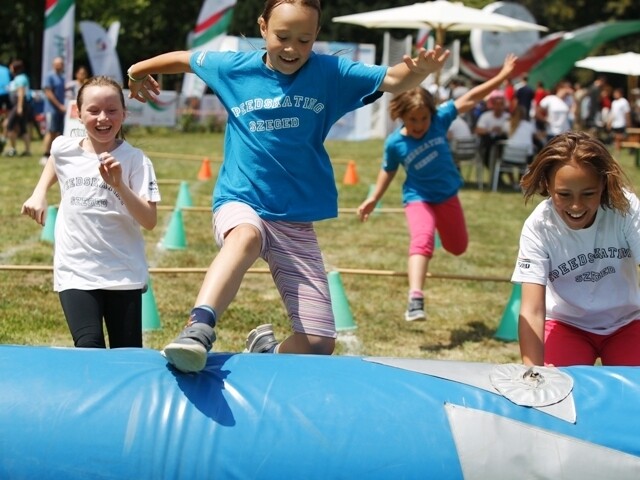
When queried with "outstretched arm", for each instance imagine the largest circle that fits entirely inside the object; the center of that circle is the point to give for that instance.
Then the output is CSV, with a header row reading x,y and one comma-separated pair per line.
x,y
531,324
142,86
412,71
467,101
383,182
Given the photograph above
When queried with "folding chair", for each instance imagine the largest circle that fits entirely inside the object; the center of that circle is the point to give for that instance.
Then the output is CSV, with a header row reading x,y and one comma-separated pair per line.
x,y
465,149
512,158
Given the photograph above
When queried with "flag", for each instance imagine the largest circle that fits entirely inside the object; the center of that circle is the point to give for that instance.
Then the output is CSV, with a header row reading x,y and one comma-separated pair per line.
x,y
211,27
101,49
57,39
421,38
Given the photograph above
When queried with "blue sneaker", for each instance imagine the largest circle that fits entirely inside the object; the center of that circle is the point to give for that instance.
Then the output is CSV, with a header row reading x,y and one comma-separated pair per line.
x,y
261,339
188,352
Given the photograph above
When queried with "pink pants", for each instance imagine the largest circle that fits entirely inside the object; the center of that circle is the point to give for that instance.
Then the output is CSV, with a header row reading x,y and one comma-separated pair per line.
x,y
565,345
447,217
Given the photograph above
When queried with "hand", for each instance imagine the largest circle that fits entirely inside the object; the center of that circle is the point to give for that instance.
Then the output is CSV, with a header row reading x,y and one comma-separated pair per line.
x,y
509,64
365,209
110,170
143,90
35,208
427,61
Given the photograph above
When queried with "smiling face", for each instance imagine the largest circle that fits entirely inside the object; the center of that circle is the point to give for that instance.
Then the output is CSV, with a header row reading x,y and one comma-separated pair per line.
x,y
289,35
416,122
102,113
576,192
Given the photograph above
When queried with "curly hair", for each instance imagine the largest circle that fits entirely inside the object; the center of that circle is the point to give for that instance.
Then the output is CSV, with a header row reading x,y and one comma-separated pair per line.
x,y
584,150
404,102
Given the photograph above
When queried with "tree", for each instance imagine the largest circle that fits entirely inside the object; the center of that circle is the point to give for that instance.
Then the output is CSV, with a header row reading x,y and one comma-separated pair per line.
x,y
151,27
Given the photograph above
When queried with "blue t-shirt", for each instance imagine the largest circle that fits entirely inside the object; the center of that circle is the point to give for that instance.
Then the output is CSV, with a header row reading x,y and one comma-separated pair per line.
x,y
432,175
5,79
56,82
20,80
274,157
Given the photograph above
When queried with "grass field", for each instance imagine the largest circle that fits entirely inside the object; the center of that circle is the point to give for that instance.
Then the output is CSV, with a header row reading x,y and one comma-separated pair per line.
x,y
463,314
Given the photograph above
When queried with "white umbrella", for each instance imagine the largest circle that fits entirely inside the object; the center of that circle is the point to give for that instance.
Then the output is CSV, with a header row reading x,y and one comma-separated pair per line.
x,y
623,63
441,16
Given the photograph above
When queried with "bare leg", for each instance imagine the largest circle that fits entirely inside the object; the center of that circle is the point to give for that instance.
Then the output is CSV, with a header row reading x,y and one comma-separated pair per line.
x,y
224,276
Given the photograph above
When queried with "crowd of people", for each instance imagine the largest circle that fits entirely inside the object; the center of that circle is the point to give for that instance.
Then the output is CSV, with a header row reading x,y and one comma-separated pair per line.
x,y
100,269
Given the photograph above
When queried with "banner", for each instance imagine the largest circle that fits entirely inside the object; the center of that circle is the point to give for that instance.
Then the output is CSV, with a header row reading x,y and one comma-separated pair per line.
x,y
101,49
57,38
211,27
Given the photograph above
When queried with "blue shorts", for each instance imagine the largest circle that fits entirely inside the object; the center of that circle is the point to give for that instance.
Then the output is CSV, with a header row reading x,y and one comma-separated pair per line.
x,y
55,122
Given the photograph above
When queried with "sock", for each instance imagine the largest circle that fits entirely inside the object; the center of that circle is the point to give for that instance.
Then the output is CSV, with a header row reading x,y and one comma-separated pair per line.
x,y
203,314
416,294
273,349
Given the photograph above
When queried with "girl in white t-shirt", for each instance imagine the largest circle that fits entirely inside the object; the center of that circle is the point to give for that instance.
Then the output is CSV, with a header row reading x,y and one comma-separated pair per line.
x,y
108,190
578,258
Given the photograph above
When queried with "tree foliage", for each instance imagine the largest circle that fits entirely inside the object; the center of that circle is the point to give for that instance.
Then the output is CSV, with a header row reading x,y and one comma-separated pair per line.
x,y
151,27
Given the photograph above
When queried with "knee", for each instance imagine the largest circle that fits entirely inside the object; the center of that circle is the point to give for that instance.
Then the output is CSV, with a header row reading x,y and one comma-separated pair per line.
x,y
321,345
246,237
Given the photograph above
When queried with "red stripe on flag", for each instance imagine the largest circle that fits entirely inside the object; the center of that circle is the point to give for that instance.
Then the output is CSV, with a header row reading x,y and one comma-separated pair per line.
x,y
49,4
210,21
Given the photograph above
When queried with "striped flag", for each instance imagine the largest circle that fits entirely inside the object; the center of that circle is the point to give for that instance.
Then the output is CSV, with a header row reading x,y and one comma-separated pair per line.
x,y
421,38
211,27
57,38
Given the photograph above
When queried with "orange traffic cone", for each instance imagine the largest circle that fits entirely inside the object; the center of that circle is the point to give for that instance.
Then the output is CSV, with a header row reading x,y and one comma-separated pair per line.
x,y
350,176
205,169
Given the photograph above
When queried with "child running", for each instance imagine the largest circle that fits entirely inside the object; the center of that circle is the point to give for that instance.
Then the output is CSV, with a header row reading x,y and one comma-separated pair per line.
x,y
276,178
430,190
578,258
108,190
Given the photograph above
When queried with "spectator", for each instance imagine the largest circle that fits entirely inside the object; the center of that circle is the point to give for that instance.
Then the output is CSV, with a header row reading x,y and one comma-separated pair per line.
x,y
553,110
54,106
21,114
491,124
619,117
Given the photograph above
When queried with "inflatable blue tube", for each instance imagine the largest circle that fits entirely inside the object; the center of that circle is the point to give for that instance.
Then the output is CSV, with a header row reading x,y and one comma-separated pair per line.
x,y
125,414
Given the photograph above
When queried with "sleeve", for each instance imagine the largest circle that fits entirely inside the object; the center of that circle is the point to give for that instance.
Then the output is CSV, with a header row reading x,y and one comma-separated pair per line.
x,y
532,264
359,82
391,158
143,179
632,226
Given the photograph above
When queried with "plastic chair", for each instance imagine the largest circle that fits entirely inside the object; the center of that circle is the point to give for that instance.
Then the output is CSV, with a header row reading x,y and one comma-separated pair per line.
x,y
512,158
465,149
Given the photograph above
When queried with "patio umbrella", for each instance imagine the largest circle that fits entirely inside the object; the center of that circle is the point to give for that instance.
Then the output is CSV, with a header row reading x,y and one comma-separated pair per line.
x,y
623,63
439,15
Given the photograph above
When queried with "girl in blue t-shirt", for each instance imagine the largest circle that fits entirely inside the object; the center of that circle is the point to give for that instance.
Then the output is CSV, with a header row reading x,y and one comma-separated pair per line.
x,y
430,191
276,177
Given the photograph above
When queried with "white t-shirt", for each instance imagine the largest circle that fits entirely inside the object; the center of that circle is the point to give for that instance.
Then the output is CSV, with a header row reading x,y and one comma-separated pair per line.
x,y
459,129
488,121
522,135
98,244
557,114
591,275
618,114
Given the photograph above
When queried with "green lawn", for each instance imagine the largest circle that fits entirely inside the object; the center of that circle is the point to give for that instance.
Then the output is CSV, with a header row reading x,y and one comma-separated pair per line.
x,y
464,311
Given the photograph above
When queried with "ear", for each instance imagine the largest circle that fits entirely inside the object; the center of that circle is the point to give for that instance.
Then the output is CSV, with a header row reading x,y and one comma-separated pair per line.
x,y
263,27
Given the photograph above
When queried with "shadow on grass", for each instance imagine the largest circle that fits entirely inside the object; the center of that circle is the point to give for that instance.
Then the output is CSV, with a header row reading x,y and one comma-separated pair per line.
x,y
476,332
